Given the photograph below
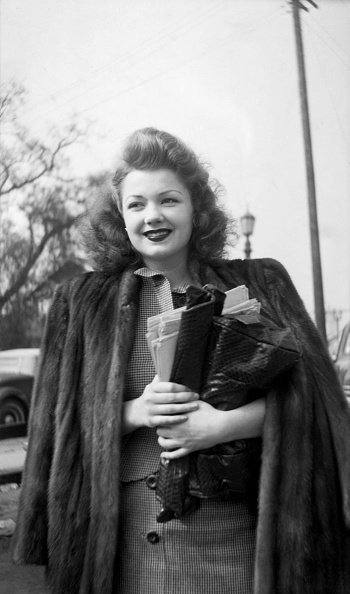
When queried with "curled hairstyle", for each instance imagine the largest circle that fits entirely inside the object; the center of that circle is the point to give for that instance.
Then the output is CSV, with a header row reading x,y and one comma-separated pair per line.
x,y
105,236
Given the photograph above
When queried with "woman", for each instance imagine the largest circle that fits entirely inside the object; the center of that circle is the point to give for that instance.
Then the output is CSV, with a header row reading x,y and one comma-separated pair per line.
x,y
101,419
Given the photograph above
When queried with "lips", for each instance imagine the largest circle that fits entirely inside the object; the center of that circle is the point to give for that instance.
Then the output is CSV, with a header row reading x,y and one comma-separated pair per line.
x,y
157,234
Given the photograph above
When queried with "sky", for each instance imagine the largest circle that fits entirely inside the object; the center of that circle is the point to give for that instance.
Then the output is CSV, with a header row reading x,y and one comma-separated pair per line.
x,y
221,75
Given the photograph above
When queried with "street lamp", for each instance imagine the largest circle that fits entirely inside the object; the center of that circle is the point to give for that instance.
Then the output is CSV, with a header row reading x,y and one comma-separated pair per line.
x,y
247,226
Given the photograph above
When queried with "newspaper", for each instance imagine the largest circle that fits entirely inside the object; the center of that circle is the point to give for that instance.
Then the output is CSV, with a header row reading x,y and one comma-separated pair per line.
x,y
163,329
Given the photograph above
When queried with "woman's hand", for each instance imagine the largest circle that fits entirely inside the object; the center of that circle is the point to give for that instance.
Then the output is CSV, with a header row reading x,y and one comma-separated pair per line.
x,y
162,403
202,429
208,426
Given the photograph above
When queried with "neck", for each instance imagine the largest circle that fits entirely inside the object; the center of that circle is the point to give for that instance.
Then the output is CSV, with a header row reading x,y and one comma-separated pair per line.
x,y
176,273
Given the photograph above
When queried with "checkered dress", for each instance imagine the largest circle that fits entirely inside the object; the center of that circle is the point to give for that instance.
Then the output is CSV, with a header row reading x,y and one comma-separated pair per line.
x,y
208,552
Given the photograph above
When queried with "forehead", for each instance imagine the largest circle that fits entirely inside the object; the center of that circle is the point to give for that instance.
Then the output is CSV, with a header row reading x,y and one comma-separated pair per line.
x,y
143,182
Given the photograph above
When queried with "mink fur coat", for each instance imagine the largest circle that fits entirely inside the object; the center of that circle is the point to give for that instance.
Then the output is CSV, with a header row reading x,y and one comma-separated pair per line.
x,y
68,516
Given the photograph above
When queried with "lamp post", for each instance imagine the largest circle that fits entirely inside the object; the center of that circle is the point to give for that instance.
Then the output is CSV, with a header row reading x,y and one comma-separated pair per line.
x,y
247,226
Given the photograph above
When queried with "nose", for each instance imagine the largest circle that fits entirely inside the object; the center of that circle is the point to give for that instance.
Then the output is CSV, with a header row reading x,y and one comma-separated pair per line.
x,y
153,215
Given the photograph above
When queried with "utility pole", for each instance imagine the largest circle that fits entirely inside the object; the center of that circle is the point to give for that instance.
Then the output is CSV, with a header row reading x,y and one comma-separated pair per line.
x,y
314,235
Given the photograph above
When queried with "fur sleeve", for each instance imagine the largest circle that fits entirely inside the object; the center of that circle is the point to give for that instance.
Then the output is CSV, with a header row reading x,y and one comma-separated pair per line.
x,y
319,369
30,538
305,479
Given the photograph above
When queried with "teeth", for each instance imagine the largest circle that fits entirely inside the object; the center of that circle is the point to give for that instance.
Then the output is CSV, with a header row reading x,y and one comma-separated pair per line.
x,y
157,234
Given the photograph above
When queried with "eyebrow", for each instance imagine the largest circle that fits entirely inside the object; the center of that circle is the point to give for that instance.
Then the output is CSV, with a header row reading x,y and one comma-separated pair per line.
x,y
170,190
160,194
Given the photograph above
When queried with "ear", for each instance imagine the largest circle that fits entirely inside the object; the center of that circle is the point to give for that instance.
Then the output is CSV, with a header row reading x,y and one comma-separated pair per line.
x,y
200,219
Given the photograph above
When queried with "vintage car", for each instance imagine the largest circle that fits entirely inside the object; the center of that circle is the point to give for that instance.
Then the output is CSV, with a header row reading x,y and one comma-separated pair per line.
x,y
17,373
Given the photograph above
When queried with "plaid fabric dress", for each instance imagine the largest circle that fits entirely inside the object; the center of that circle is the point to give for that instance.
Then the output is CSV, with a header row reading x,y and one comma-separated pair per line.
x,y
208,552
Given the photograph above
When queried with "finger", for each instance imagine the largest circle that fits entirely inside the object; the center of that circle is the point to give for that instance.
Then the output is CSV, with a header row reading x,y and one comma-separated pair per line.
x,y
175,397
174,409
175,454
168,444
168,420
165,431
170,387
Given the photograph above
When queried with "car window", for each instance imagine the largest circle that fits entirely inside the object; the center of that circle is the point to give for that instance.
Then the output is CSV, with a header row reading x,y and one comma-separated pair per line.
x,y
19,361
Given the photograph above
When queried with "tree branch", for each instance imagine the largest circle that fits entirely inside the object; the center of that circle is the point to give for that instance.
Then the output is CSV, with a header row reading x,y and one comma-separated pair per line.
x,y
48,167
23,275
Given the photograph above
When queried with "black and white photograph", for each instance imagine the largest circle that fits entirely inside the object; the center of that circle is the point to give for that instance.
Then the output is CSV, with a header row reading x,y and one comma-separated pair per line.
x,y
175,296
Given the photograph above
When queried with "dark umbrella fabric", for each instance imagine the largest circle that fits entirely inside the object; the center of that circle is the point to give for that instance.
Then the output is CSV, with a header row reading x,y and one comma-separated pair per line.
x,y
230,363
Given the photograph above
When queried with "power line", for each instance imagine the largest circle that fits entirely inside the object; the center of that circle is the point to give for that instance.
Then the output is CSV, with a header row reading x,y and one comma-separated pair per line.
x,y
215,46
318,24
179,31
139,83
347,64
128,54
331,99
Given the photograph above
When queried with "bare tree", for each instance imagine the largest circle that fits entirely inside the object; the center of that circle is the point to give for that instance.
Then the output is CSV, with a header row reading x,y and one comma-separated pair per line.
x,y
25,159
39,203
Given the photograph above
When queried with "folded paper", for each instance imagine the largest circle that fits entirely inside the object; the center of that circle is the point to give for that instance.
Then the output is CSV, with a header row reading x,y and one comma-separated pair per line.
x,y
163,329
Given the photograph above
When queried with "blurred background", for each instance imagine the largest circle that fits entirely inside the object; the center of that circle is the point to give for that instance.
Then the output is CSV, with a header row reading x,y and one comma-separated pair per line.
x,y
77,76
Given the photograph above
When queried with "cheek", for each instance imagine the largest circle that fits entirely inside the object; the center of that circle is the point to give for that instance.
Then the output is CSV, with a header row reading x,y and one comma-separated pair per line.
x,y
130,233
129,223
188,227
133,237
127,227
190,219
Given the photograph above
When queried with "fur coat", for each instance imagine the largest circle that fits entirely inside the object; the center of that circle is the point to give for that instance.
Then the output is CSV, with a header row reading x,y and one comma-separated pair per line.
x,y
68,516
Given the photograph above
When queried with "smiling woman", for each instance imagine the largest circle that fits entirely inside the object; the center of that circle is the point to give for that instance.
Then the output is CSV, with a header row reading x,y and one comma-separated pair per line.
x,y
145,154
101,418
157,210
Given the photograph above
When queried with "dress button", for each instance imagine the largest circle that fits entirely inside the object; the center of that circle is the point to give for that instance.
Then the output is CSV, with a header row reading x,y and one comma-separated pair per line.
x,y
151,481
153,537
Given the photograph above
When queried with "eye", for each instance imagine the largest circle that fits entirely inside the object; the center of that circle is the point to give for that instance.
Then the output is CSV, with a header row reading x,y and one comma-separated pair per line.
x,y
169,200
135,205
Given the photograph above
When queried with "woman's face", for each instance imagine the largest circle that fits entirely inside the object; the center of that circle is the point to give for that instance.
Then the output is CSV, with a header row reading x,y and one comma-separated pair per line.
x,y
157,210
